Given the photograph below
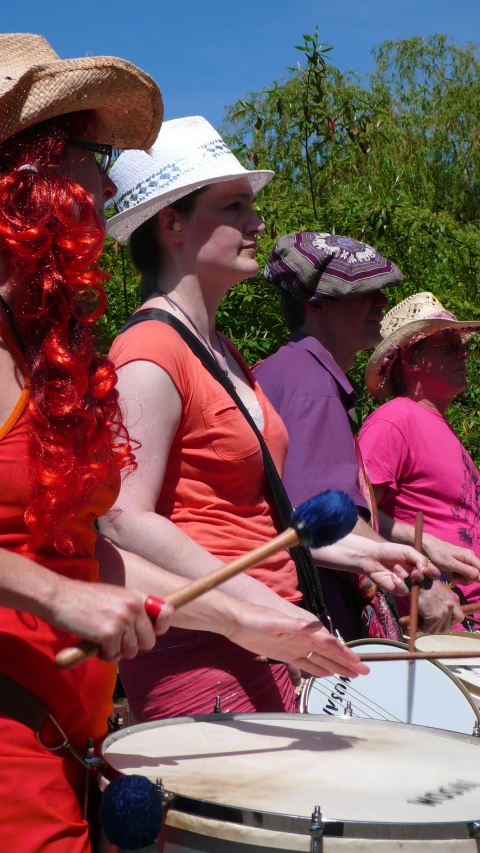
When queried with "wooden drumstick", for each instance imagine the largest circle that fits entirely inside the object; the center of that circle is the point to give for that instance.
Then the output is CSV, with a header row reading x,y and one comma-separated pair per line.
x,y
471,608
412,656
320,521
465,608
70,657
417,544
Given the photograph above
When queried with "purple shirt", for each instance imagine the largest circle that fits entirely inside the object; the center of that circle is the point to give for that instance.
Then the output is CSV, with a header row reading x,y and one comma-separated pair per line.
x,y
316,401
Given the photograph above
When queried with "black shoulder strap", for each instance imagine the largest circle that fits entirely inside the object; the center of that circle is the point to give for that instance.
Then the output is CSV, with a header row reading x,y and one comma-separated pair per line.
x,y
307,573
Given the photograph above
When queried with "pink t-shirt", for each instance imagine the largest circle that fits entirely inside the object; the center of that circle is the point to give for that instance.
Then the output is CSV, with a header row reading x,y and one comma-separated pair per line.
x,y
416,454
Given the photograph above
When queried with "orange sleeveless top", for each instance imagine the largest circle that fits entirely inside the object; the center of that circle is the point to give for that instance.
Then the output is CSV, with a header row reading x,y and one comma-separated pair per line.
x,y
214,487
79,699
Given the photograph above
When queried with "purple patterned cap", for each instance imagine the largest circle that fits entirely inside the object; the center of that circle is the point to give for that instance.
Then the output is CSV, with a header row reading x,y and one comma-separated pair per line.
x,y
314,266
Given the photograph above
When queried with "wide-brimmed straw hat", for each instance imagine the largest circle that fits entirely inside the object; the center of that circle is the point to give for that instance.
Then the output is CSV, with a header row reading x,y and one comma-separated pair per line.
x,y
35,85
188,154
417,317
313,266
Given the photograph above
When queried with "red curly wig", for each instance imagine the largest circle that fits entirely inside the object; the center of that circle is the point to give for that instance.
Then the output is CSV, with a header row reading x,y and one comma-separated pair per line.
x,y
50,241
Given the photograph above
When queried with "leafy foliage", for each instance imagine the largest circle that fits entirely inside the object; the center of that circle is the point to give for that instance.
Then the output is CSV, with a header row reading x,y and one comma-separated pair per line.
x,y
393,161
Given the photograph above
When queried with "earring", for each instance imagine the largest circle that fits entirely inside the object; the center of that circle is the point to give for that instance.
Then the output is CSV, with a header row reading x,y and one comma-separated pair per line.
x,y
176,226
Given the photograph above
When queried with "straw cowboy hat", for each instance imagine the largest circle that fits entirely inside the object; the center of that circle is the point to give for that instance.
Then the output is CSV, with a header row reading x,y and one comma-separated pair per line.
x,y
35,84
188,154
412,320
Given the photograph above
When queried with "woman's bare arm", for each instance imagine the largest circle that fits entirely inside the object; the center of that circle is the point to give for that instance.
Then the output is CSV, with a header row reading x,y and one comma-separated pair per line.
x,y
111,616
262,630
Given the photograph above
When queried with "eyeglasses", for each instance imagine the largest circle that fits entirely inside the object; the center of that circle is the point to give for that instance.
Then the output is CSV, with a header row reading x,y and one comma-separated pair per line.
x,y
453,345
103,153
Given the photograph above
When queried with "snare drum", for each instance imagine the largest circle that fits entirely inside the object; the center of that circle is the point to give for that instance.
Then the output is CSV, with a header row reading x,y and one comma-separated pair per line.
x,y
250,782
467,670
424,693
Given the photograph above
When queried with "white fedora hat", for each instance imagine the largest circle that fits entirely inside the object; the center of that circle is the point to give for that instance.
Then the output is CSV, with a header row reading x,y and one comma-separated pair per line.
x,y
412,320
188,154
35,85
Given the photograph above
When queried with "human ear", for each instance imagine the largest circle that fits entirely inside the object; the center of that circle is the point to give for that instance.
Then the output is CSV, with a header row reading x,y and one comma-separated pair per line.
x,y
169,224
410,360
314,308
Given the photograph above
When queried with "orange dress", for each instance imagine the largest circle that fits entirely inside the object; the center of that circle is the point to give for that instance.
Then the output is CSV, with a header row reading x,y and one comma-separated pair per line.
x,y
40,791
214,489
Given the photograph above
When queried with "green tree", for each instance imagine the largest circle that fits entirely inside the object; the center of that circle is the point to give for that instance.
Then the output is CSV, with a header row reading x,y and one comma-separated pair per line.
x,y
393,161
396,164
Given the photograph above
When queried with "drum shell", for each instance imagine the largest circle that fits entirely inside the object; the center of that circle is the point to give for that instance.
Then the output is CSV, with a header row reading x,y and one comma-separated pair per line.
x,y
467,673
182,834
443,701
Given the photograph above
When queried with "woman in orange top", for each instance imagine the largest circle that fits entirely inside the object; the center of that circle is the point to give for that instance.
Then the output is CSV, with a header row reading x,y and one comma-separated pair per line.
x,y
198,496
62,443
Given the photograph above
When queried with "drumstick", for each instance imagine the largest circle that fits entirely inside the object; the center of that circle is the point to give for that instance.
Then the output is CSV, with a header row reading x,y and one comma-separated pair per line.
x,y
318,522
411,656
465,608
471,608
417,544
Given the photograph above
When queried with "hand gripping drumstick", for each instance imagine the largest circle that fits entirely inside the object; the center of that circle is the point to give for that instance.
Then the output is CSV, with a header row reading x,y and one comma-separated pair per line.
x,y
320,521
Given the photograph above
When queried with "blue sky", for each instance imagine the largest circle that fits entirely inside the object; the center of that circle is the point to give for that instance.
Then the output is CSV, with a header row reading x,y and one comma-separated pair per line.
x,y
207,54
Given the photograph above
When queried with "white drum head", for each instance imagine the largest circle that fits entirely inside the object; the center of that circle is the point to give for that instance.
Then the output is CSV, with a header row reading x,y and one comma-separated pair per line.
x,y
258,767
467,670
422,693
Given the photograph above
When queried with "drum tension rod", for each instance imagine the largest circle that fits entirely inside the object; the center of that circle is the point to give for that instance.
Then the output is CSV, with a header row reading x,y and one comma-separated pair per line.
x,y
165,796
316,831
474,829
476,729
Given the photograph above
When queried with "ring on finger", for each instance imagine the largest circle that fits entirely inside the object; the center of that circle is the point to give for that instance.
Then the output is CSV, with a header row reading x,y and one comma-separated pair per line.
x,y
309,655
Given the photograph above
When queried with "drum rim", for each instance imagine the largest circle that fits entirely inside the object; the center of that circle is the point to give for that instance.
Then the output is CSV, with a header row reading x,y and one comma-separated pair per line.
x,y
307,687
300,824
475,635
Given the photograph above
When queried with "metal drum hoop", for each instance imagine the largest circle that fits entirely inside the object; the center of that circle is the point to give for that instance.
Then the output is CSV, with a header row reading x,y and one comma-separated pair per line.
x,y
370,641
299,824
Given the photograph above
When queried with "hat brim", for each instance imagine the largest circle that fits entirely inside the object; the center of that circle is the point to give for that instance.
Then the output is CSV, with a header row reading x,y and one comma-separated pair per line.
x,y
380,386
122,225
366,285
127,102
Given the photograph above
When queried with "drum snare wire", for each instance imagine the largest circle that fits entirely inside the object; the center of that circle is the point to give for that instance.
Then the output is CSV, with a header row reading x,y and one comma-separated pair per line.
x,y
369,704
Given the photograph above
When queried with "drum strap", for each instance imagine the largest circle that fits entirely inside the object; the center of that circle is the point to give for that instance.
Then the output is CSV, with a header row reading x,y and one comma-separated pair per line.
x,y
20,704
307,573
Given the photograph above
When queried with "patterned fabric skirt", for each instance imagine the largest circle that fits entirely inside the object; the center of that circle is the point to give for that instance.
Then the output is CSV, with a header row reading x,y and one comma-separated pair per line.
x,y
187,670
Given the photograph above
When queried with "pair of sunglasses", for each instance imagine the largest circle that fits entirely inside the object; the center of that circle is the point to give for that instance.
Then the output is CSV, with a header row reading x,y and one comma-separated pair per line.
x,y
453,345
103,153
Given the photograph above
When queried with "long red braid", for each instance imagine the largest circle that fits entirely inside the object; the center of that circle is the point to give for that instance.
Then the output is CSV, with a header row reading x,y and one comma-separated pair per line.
x,y
50,240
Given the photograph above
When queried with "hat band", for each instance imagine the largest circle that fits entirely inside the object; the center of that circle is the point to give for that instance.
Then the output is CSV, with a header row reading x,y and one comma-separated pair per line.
x,y
168,177
441,315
